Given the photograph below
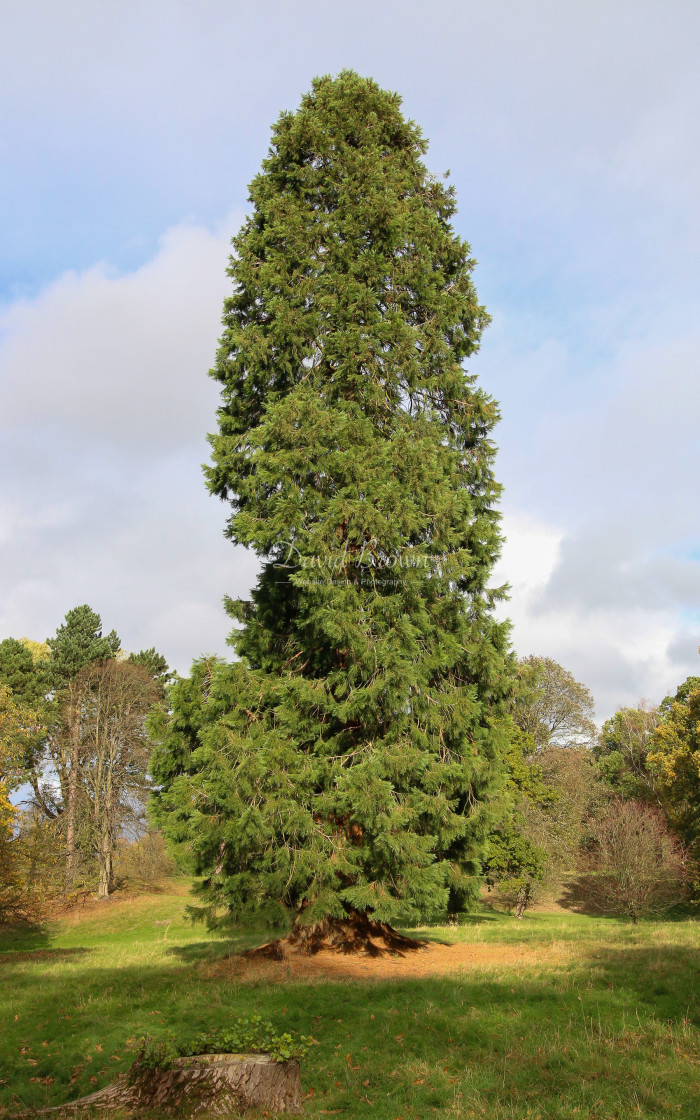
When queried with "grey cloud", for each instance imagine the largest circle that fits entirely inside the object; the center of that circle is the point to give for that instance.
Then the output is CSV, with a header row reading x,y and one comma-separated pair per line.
x,y
684,649
603,569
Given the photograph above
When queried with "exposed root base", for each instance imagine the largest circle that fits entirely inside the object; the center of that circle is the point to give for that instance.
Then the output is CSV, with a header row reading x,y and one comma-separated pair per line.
x,y
355,934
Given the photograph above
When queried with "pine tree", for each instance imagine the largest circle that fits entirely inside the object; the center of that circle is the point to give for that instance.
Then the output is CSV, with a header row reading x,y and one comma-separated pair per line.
x,y
28,681
77,643
344,765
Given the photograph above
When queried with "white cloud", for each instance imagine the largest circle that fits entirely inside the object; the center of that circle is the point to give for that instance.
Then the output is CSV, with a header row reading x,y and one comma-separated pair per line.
x,y
104,406
121,359
623,651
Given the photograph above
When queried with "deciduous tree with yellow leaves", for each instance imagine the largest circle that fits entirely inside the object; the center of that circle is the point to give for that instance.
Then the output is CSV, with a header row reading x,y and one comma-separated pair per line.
x,y
674,759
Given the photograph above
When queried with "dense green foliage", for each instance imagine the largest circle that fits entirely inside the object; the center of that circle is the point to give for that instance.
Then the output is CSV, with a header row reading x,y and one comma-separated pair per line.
x,y
248,1034
24,710
155,664
27,678
622,751
348,759
78,642
515,861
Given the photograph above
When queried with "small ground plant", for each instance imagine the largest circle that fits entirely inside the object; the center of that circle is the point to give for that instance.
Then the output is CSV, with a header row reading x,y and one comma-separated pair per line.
x,y
249,1034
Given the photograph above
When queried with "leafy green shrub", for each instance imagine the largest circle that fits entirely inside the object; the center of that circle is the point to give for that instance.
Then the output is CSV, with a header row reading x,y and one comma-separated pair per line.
x,y
155,1053
250,1034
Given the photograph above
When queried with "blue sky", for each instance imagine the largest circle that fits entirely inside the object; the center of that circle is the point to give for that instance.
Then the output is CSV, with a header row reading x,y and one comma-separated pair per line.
x,y
128,135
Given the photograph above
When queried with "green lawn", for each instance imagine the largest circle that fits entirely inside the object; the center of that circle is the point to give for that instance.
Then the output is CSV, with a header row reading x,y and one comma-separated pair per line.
x,y
605,1023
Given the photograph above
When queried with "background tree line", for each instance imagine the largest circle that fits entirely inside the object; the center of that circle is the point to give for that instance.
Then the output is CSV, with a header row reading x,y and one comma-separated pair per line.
x,y
74,743
609,817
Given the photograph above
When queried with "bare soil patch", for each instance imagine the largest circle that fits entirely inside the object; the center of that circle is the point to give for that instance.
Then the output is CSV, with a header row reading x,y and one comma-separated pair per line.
x,y
431,959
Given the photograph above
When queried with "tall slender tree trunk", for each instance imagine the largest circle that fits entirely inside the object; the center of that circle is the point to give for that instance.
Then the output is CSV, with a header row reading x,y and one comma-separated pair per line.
x,y
105,858
71,806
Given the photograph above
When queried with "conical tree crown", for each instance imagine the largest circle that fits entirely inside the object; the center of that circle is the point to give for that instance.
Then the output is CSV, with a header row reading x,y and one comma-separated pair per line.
x,y
78,642
353,294
351,753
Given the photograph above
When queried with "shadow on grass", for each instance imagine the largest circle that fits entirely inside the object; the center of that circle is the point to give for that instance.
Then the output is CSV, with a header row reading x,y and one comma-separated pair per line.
x,y
426,936
487,912
198,952
28,956
438,930
132,884
514,1028
665,980
20,938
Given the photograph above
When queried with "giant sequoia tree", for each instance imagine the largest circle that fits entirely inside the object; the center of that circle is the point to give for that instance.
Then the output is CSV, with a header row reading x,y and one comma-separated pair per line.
x,y
344,765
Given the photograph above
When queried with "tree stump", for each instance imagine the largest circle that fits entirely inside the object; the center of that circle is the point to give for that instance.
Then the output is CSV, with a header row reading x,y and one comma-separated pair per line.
x,y
214,1084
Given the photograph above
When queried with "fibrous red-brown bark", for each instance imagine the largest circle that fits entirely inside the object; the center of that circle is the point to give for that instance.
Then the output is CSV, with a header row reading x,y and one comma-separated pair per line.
x,y
357,933
208,1084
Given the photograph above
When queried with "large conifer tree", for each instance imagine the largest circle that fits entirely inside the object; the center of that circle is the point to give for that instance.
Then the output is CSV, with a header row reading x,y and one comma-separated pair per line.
x,y
345,763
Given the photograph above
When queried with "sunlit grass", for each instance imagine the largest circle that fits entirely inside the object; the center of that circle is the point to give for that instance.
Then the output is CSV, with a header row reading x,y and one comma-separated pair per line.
x,y
603,1023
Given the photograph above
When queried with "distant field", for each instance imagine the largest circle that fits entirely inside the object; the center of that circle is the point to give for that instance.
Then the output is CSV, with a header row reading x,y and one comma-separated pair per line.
x,y
557,1016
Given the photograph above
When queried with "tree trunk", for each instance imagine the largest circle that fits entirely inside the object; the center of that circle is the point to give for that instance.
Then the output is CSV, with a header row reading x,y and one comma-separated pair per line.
x,y
357,933
209,1084
523,899
71,806
105,884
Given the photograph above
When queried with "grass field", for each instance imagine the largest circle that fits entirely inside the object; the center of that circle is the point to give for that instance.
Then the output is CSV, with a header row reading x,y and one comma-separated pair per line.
x,y
557,1016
